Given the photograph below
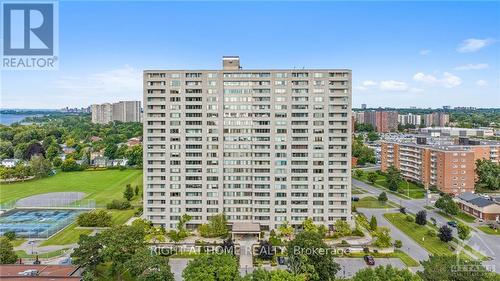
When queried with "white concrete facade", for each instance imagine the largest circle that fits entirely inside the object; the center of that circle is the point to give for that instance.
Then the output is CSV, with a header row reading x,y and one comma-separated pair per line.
x,y
261,146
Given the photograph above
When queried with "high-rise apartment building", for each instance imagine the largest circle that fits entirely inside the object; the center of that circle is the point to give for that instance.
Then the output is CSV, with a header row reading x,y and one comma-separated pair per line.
x,y
260,146
382,121
436,119
102,113
444,163
123,111
412,119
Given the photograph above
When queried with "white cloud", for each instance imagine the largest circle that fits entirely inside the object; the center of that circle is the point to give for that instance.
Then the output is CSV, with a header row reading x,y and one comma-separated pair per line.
x,y
482,83
448,80
425,52
125,81
472,66
368,83
391,85
473,45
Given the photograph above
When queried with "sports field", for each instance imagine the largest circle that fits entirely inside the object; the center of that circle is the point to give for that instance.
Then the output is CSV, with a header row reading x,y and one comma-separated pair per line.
x,y
102,186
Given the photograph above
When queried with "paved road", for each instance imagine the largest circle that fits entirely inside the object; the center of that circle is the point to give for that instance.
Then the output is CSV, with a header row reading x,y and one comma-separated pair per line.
x,y
488,245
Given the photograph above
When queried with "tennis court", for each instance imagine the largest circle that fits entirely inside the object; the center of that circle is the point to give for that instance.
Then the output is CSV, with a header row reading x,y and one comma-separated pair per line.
x,y
33,223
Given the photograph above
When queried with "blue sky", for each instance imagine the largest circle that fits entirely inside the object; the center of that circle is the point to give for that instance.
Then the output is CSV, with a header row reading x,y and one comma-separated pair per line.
x,y
402,54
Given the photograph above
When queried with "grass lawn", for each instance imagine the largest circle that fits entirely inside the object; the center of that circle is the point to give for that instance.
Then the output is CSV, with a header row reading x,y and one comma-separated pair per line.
x,y
488,230
120,217
428,207
69,235
372,203
24,255
461,216
405,188
466,217
417,232
17,242
103,186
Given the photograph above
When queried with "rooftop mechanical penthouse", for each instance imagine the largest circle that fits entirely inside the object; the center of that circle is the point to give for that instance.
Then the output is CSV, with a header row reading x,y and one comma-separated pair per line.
x,y
261,146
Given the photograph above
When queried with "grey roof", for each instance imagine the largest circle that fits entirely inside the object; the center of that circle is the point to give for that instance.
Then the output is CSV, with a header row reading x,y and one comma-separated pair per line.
x,y
481,202
467,196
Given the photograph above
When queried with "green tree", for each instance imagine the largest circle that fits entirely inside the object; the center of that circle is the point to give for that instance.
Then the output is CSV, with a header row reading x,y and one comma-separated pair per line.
x,y
128,193
342,228
88,253
393,178
383,238
447,204
443,268
134,155
488,174
216,227
372,177
358,173
373,223
6,149
136,190
214,267
121,244
261,274
315,265
372,136
286,230
40,167
181,232
96,218
421,217
52,152
146,267
70,165
463,230
10,235
7,254
110,150
308,225
386,273
445,234
382,197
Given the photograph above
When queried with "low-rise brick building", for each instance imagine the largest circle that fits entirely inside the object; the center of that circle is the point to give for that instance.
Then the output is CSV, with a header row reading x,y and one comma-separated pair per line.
x,y
446,164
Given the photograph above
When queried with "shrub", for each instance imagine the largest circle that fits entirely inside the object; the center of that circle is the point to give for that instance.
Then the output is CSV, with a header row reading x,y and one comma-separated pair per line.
x,y
118,205
431,233
382,197
445,234
96,218
421,218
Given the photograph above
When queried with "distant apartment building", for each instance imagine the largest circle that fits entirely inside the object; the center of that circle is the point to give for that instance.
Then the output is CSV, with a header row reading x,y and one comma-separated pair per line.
x,y
457,132
446,164
261,146
412,119
363,106
382,121
359,116
123,111
436,119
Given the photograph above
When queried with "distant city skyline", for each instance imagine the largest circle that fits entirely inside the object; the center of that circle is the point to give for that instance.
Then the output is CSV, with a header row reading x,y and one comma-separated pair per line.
x,y
402,54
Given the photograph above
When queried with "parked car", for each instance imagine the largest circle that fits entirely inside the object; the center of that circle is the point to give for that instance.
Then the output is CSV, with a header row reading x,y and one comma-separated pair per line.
x,y
452,223
480,220
369,260
354,198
